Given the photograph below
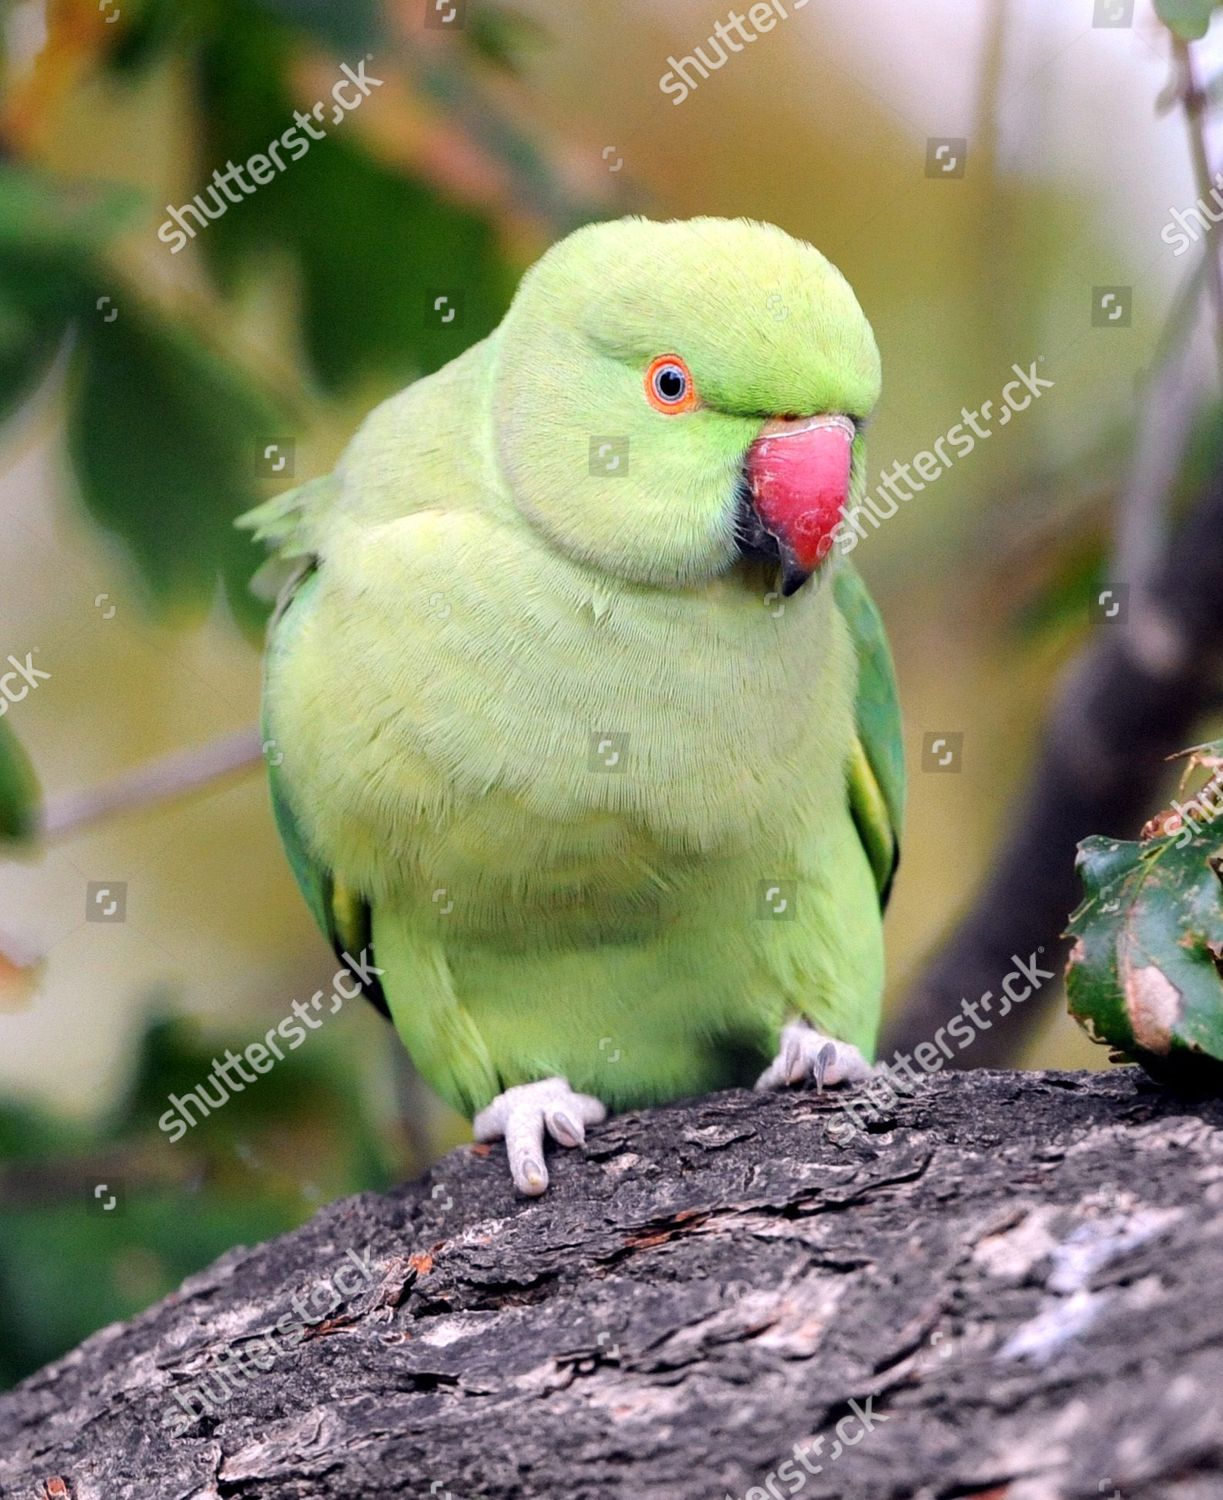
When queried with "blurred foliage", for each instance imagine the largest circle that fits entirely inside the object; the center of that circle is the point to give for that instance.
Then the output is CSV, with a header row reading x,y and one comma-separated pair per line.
x,y
145,395
372,247
70,1264
1050,574
1189,19
165,430
18,790
166,419
1146,971
162,430
50,238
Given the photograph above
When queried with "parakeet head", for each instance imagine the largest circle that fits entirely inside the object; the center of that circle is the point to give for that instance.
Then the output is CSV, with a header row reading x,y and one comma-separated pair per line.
x,y
675,397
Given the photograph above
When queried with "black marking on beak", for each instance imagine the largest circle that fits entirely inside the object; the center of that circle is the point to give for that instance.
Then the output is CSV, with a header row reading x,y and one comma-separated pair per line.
x,y
792,575
752,541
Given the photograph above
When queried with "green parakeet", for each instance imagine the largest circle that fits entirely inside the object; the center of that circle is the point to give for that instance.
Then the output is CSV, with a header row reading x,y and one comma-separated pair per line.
x,y
584,728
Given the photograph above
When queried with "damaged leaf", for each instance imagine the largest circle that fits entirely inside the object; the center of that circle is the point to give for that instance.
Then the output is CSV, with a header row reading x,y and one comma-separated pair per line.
x,y
1145,974
1187,19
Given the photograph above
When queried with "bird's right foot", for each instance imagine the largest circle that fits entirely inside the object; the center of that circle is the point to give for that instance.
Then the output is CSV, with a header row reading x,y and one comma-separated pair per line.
x,y
522,1114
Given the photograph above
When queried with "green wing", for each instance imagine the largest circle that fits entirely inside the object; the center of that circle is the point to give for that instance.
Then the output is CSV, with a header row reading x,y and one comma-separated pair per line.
x,y
286,524
876,764
343,916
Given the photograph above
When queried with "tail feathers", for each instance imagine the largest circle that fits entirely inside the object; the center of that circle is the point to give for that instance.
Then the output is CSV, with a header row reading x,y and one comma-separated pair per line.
x,y
288,524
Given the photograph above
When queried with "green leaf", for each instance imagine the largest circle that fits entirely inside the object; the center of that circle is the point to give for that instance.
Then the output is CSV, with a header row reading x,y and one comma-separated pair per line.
x,y
50,236
19,791
1146,970
373,247
28,346
1187,19
40,215
349,29
504,37
377,252
163,433
165,439
148,29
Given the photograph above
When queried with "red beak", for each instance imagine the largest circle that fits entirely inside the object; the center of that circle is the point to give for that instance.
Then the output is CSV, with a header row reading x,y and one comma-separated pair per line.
x,y
798,471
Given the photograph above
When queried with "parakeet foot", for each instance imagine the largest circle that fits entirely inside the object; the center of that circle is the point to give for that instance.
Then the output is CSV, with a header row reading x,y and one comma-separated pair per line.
x,y
523,1113
806,1055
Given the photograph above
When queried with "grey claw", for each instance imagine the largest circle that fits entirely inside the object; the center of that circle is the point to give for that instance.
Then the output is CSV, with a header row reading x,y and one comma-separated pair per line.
x,y
524,1114
566,1130
532,1179
825,1056
792,1062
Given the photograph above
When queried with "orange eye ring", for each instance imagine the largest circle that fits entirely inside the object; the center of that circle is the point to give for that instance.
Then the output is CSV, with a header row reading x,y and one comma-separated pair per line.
x,y
669,386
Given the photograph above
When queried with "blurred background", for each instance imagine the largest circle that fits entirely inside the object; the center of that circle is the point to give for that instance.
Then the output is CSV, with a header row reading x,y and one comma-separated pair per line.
x,y
150,395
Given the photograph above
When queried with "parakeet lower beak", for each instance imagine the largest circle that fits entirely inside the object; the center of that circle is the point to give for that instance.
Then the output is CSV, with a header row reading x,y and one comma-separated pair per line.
x,y
798,473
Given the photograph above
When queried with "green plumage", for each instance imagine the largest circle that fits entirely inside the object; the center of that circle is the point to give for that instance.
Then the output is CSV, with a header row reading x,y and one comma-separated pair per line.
x,y
543,738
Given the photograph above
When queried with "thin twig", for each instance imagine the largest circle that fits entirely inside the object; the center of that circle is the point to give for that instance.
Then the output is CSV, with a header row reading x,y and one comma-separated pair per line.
x,y
177,775
1132,698
1194,101
1170,403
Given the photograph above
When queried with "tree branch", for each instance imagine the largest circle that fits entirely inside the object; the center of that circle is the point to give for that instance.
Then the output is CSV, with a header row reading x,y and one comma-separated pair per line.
x,y
165,780
982,1292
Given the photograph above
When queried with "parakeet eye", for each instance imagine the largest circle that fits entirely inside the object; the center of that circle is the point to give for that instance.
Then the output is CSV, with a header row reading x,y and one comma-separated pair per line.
x,y
669,386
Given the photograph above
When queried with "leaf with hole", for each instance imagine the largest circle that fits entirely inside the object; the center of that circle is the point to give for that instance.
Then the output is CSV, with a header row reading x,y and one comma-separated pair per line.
x,y
1146,970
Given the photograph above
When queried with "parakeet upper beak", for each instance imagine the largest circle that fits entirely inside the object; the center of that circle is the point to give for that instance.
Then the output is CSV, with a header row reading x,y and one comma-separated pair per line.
x,y
798,472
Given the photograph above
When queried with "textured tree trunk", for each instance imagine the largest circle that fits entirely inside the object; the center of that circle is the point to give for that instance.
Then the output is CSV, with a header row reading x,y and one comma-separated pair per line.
x,y
1008,1285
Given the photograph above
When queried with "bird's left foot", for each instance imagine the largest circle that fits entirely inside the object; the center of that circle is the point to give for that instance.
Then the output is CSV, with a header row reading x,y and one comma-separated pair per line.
x,y
523,1113
806,1055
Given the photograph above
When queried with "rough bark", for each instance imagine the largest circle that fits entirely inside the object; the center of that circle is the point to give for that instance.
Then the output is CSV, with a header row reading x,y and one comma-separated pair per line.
x,y
1014,1276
